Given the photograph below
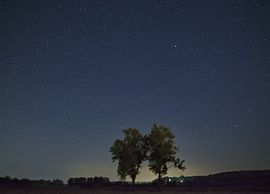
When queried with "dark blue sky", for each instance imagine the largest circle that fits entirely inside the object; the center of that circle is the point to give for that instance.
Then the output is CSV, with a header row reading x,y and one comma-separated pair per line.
x,y
74,74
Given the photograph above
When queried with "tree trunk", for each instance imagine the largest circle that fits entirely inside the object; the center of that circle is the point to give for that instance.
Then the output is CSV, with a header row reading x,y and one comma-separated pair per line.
x,y
159,179
133,183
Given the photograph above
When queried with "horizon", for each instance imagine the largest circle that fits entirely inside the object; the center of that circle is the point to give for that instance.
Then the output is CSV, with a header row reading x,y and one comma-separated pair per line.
x,y
129,180
137,180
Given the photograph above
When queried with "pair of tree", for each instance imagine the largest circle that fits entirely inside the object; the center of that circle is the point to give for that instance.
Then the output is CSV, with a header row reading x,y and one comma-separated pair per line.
x,y
157,147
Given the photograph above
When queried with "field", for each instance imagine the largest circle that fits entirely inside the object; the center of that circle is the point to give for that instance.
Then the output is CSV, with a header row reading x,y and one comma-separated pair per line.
x,y
189,190
227,182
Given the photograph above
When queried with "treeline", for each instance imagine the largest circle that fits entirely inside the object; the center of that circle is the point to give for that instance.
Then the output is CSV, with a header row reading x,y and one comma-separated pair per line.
x,y
89,182
258,178
8,182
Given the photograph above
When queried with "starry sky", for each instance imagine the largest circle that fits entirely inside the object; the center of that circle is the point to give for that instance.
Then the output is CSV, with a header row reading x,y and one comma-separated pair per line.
x,y
74,74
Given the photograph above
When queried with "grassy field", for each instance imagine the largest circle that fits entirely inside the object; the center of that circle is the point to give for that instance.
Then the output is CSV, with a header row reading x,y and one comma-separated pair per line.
x,y
189,190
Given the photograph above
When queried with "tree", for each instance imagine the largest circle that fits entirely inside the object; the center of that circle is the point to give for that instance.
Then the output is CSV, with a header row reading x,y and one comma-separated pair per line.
x,y
130,154
162,151
57,182
76,181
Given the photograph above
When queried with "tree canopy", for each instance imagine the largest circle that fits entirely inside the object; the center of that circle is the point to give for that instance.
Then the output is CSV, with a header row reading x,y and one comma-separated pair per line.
x,y
130,154
162,151
157,147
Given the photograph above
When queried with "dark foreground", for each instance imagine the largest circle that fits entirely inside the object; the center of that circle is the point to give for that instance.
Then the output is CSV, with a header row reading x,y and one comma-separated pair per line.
x,y
188,190
227,182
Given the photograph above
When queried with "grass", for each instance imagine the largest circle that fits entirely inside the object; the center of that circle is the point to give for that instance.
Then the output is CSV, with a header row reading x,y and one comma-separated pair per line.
x,y
188,190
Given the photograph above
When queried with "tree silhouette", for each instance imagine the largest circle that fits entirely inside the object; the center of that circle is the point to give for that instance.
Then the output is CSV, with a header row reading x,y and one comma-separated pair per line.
x,y
57,182
162,151
130,154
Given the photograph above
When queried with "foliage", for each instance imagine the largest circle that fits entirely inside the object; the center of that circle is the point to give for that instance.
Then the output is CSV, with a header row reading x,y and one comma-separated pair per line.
x,y
130,154
162,151
88,182
21,183
57,182
76,181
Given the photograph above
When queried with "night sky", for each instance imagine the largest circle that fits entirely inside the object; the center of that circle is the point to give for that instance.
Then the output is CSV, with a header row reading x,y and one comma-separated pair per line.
x,y
74,74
